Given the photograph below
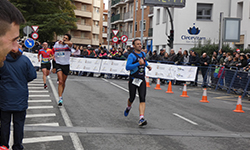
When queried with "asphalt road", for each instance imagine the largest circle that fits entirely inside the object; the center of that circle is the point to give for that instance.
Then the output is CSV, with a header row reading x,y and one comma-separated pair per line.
x,y
92,118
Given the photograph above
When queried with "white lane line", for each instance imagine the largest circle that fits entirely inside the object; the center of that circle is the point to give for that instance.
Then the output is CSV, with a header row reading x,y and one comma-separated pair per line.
x,y
36,88
40,115
35,84
40,107
74,137
185,119
42,139
38,91
122,88
39,101
39,96
54,124
105,80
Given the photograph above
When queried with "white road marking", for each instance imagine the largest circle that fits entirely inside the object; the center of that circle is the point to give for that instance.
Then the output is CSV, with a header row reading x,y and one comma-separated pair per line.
x,y
105,80
42,139
39,101
40,107
185,119
39,95
54,124
40,115
36,91
122,88
36,88
35,84
74,137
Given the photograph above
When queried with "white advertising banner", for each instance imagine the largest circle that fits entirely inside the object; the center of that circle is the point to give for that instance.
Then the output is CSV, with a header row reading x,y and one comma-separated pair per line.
x,y
85,64
33,59
114,67
185,73
163,71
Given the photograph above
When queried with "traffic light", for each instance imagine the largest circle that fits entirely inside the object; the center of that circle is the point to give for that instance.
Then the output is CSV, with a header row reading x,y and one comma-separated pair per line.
x,y
171,39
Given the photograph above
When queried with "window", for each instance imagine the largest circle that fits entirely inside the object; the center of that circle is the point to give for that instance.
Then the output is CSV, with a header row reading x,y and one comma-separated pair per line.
x,y
204,11
240,10
164,15
136,5
96,9
158,16
144,25
82,35
103,29
96,23
103,18
83,21
130,28
135,26
84,7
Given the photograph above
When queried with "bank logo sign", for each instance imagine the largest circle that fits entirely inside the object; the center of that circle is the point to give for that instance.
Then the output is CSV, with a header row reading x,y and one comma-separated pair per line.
x,y
193,34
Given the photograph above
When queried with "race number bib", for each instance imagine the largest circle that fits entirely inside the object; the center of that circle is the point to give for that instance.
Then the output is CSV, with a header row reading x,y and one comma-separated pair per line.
x,y
45,59
61,54
137,82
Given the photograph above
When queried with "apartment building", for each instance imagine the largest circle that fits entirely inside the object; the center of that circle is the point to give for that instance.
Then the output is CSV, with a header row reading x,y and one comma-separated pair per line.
x,y
126,17
202,16
105,27
89,24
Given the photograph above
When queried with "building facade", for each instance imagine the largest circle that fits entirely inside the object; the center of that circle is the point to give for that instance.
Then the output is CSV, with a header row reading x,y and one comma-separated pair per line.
x,y
89,24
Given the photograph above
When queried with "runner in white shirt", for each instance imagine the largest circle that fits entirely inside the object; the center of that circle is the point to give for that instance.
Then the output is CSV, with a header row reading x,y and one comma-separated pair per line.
x,y
63,50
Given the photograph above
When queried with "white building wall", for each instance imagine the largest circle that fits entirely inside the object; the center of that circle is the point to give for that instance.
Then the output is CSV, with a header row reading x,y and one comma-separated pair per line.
x,y
184,18
245,22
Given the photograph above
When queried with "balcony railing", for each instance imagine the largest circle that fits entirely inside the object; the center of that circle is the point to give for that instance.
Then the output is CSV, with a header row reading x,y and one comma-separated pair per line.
x,y
116,17
116,1
150,32
128,15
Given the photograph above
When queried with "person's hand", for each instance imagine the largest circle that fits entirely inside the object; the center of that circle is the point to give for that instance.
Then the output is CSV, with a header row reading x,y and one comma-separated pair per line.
x,y
149,68
141,62
205,63
38,59
244,68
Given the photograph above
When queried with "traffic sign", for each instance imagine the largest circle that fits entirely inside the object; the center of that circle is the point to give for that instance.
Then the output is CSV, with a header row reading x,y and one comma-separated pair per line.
x,y
124,38
35,28
115,32
29,43
27,30
115,39
34,35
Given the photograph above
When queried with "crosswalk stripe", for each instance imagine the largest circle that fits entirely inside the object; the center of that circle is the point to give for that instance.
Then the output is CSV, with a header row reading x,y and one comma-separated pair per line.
x,y
40,107
30,84
42,139
36,91
36,88
40,115
39,95
54,124
39,101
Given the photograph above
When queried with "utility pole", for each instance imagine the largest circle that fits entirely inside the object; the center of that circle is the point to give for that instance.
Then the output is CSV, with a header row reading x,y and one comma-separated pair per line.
x,y
221,30
109,24
136,2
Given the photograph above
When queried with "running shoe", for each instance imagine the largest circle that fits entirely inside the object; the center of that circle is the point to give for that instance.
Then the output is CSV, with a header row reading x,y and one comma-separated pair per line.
x,y
57,81
126,112
45,86
60,102
142,122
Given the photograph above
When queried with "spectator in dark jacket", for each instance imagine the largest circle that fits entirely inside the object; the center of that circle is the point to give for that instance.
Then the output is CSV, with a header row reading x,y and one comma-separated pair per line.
x,y
172,55
37,47
161,55
15,75
179,58
204,61
154,56
243,61
194,61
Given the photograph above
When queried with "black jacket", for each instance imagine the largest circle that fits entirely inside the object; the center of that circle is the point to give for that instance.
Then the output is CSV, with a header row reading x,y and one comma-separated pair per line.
x,y
203,60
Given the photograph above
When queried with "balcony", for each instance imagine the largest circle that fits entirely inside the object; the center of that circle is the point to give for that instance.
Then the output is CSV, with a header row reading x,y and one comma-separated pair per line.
x,y
83,13
105,24
127,1
150,32
128,17
116,19
95,29
116,3
96,16
83,27
80,40
104,35
95,41
84,1
97,3
151,11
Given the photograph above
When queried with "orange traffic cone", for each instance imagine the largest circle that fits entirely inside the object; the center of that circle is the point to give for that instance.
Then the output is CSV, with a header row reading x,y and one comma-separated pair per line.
x,y
158,86
169,88
147,82
204,96
184,93
239,106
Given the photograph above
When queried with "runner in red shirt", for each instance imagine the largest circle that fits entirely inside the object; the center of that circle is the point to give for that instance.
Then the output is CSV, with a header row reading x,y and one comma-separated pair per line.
x,y
47,55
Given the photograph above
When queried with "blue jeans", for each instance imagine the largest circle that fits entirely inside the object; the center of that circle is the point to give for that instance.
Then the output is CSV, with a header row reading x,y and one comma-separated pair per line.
x,y
18,121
